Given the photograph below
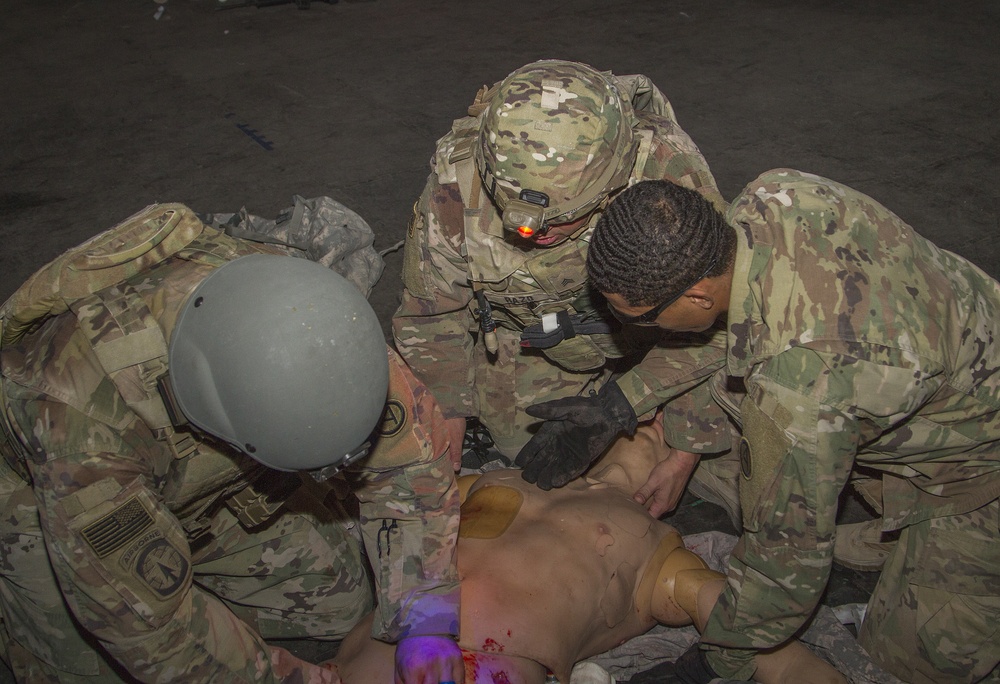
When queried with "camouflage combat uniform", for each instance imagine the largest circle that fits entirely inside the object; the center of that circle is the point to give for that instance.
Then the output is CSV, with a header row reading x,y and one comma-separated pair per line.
x,y
455,245
175,555
860,342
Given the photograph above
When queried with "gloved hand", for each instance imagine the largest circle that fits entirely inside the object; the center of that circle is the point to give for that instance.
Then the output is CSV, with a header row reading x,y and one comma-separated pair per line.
x,y
576,432
693,668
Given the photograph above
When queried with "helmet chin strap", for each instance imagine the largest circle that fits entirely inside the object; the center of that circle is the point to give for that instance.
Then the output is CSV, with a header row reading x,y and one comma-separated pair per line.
x,y
325,473
166,390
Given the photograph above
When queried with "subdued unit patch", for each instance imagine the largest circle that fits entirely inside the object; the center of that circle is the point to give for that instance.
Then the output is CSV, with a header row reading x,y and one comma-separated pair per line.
x,y
161,567
393,419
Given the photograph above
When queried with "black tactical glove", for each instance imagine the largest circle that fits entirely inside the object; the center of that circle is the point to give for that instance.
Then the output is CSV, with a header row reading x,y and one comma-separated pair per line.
x,y
575,433
693,668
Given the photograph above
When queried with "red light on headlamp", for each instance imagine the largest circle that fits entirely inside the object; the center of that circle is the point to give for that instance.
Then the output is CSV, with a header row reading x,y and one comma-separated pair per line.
x,y
526,214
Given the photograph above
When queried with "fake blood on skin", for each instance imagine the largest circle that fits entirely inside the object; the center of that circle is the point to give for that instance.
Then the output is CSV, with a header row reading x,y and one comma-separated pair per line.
x,y
491,646
471,666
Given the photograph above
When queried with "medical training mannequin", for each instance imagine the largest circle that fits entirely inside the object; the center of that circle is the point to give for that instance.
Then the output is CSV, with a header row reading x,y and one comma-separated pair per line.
x,y
550,578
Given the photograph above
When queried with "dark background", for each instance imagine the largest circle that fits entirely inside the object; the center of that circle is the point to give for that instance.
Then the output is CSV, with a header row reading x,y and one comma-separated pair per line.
x,y
106,109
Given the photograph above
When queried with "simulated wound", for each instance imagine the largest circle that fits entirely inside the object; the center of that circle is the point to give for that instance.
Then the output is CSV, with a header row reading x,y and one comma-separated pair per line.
x,y
489,511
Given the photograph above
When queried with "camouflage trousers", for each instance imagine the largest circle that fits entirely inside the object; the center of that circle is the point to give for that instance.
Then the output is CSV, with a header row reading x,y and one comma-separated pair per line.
x,y
515,379
716,479
302,575
935,614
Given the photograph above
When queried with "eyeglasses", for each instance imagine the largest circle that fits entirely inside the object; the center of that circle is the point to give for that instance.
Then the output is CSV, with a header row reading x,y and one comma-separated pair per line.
x,y
648,318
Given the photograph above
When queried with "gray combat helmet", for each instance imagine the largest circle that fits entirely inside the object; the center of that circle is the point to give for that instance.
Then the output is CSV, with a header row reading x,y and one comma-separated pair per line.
x,y
282,358
557,128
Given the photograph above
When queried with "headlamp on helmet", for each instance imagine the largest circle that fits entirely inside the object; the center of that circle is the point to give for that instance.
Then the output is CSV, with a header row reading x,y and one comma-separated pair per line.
x,y
526,215
558,130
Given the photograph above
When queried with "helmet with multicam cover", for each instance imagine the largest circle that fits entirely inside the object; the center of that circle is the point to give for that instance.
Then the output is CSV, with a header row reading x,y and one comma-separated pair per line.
x,y
555,141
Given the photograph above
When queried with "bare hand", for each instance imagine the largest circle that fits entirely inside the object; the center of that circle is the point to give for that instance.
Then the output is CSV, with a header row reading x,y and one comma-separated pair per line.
x,y
429,660
667,481
456,435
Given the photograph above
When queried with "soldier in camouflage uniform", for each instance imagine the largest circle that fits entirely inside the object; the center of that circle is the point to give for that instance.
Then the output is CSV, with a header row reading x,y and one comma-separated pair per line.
x,y
858,342
496,313
166,507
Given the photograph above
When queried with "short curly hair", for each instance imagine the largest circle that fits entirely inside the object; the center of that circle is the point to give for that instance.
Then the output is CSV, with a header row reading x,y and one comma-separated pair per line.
x,y
656,238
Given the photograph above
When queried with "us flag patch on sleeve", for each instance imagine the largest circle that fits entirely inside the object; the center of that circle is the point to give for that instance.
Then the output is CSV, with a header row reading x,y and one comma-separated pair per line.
x,y
117,528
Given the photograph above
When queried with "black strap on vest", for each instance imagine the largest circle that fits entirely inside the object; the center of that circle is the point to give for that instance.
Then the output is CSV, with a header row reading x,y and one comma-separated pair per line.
x,y
568,326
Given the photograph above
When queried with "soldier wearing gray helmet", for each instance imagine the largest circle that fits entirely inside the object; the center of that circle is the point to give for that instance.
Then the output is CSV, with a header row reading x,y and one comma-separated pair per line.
x,y
183,412
496,314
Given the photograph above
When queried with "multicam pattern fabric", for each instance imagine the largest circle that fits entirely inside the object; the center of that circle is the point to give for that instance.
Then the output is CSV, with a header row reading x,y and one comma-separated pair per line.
x,y
152,562
455,243
560,125
956,631
409,513
860,342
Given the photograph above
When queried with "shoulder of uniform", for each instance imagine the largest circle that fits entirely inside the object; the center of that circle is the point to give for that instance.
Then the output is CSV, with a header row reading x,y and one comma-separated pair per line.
x,y
662,127
58,361
667,140
404,436
455,147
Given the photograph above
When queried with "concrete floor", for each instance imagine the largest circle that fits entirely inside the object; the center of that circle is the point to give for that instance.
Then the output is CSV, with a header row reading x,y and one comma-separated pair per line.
x,y
107,107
